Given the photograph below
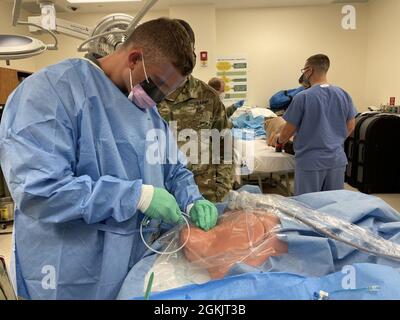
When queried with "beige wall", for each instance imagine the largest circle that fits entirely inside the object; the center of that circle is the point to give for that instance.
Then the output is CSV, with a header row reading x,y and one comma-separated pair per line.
x,y
203,21
383,60
68,45
7,28
195,15
277,42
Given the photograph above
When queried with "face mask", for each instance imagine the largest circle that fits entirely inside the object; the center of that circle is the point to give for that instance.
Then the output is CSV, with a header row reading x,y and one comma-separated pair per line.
x,y
146,94
305,82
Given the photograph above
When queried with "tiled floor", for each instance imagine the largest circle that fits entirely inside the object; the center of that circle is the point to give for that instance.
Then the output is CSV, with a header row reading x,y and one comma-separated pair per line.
x,y
391,199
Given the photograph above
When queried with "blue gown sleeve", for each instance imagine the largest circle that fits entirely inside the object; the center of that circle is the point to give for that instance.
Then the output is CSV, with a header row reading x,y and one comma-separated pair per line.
x,y
38,146
179,180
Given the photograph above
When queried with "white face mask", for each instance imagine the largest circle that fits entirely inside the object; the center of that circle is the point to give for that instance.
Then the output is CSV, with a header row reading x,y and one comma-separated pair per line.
x,y
222,96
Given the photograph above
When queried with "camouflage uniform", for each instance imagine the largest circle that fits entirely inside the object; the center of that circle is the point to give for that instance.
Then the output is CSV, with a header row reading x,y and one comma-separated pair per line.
x,y
197,106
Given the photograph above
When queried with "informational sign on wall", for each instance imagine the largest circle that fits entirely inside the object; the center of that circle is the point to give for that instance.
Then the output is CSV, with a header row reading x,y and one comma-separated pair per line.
x,y
234,71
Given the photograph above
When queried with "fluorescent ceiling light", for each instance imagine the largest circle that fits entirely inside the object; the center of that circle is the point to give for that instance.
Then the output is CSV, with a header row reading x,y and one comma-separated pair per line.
x,y
99,1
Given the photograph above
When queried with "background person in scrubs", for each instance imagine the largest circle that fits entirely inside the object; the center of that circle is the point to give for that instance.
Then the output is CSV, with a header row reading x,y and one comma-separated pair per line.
x,y
73,148
322,117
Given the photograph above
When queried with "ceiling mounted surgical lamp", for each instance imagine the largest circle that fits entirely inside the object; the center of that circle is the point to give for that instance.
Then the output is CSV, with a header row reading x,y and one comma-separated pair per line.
x,y
103,39
112,31
20,47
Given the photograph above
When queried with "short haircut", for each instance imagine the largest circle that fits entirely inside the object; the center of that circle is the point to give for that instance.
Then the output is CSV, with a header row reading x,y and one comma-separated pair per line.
x,y
320,62
162,40
188,29
215,83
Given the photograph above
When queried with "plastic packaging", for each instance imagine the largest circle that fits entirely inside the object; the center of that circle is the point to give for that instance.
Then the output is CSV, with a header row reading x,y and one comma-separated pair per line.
x,y
322,223
241,236
250,232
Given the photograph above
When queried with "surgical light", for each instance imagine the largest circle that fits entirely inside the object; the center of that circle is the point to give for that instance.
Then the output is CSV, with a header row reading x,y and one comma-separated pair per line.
x,y
105,36
103,39
20,47
17,47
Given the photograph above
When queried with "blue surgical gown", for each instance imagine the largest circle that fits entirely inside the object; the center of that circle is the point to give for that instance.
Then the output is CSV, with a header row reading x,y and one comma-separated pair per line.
x,y
73,152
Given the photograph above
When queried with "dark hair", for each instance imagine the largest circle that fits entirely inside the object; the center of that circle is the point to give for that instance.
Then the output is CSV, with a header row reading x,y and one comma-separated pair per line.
x,y
319,62
164,39
188,29
215,83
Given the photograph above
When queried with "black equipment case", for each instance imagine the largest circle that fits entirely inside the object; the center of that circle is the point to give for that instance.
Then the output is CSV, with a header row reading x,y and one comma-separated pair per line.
x,y
373,152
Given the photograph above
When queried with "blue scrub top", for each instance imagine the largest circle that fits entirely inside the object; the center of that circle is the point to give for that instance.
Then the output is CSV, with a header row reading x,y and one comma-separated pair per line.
x,y
73,152
320,115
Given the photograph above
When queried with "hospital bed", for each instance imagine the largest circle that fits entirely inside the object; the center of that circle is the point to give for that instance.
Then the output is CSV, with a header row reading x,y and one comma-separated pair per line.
x,y
255,160
360,259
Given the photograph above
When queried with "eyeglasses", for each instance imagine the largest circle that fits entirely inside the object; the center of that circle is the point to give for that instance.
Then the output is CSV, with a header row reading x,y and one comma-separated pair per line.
x,y
305,69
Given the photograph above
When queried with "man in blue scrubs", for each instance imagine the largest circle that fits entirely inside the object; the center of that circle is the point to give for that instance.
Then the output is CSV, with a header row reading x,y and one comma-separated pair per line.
x,y
321,118
87,156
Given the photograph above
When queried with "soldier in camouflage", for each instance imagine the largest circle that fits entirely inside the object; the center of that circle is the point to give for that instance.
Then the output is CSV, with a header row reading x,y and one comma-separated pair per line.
x,y
197,106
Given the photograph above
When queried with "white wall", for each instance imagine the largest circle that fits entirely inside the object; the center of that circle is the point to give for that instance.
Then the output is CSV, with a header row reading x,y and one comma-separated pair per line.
x,y
277,41
383,60
7,28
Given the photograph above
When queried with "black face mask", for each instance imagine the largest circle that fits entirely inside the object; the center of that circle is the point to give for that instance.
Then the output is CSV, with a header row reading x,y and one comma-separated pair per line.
x,y
305,82
153,91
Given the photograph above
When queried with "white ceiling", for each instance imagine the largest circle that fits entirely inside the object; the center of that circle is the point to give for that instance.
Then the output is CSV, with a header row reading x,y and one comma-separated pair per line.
x,y
64,6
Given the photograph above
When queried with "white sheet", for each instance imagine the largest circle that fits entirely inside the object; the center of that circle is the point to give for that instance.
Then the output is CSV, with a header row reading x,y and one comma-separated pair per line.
x,y
257,157
255,111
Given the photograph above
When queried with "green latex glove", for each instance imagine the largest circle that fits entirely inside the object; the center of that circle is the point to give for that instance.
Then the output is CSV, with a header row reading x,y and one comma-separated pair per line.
x,y
163,206
204,214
